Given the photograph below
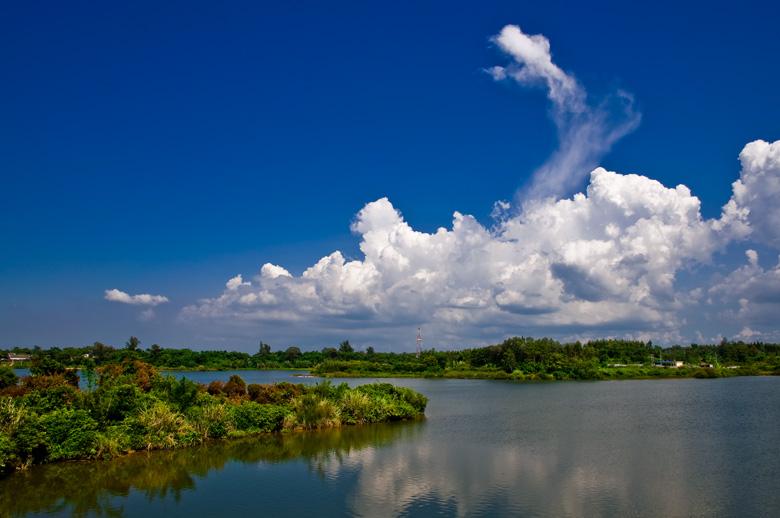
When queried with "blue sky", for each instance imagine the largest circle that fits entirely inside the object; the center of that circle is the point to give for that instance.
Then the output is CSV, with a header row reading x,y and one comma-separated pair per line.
x,y
165,149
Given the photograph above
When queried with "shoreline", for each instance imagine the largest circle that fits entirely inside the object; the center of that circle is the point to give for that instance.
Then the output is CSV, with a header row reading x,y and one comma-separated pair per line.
x,y
502,376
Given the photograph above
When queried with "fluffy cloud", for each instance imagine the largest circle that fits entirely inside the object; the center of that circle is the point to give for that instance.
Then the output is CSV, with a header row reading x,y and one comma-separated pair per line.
x,y
753,209
143,299
606,258
605,261
585,132
751,295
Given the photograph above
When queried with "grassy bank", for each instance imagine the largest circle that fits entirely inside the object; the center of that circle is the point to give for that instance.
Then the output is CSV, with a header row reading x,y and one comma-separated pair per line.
x,y
46,418
356,369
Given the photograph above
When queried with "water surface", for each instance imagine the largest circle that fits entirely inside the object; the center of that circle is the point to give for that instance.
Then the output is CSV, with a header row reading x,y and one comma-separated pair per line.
x,y
487,448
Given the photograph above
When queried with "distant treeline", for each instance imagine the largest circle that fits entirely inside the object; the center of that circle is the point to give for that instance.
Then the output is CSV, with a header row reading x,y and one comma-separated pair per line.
x,y
168,358
518,358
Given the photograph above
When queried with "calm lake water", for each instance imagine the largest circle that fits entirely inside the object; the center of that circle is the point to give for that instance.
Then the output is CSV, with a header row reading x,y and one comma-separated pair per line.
x,y
487,448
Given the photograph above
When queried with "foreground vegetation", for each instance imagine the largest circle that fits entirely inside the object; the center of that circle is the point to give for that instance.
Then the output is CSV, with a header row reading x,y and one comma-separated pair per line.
x,y
130,406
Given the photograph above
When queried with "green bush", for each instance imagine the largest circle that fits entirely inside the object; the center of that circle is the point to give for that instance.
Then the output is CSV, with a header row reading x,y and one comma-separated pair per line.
x,y
311,411
113,403
358,408
8,377
70,434
251,416
181,393
30,439
44,400
7,456
161,427
211,421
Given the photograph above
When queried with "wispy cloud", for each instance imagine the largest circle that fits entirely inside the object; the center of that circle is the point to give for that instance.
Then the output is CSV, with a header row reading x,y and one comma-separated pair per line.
x,y
142,299
585,132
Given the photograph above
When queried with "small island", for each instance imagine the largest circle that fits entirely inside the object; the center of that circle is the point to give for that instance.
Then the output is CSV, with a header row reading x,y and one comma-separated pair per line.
x,y
130,406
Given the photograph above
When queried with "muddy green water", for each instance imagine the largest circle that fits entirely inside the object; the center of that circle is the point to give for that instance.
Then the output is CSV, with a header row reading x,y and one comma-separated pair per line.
x,y
487,448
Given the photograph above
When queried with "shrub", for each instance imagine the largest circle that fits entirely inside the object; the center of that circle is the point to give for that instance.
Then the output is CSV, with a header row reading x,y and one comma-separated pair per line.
x,y
706,373
7,456
29,438
415,400
43,382
8,377
313,412
215,387
161,427
251,416
135,372
235,387
70,434
46,366
47,399
211,421
114,402
357,408
277,394
114,441
11,415
182,392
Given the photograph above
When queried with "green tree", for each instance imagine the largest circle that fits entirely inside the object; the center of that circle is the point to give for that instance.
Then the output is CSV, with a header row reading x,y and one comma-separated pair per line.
x,y
265,349
345,347
46,366
132,343
292,353
370,351
101,352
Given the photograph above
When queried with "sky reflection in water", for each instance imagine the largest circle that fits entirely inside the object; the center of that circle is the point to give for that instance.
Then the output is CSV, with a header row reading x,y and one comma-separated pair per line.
x,y
641,448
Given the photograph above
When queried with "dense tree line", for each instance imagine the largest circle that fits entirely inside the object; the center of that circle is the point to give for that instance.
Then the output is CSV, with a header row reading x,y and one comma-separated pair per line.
x,y
522,357
544,358
169,358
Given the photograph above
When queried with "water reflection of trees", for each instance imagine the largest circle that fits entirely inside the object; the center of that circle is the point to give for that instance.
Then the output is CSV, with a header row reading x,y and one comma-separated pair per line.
x,y
98,487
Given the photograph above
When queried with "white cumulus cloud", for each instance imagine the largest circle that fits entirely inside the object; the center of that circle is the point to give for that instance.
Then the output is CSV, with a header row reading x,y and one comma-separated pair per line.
x,y
753,209
602,262
606,261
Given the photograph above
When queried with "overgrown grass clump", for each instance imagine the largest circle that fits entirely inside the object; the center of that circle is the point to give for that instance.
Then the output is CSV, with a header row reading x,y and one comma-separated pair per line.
x,y
46,418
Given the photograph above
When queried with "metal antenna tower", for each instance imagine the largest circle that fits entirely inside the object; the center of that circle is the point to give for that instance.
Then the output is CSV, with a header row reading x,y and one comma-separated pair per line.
x,y
419,342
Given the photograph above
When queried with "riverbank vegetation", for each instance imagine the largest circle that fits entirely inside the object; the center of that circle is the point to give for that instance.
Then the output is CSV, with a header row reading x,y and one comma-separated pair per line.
x,y
522,358
519,358
130,406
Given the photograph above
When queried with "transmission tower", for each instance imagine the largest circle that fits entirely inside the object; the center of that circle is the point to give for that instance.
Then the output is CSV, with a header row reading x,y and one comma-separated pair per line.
x,y
419,342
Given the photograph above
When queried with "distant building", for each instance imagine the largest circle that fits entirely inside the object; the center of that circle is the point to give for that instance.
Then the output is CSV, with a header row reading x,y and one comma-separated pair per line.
x,y
705,365
672,364
13,357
